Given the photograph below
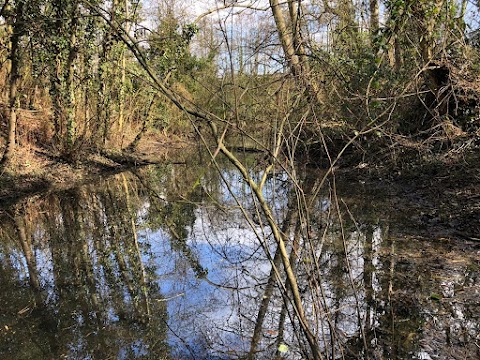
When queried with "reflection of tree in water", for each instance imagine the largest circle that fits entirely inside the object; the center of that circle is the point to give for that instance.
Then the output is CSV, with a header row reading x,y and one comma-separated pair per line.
x,y
81,276
173,202
89,293
362,297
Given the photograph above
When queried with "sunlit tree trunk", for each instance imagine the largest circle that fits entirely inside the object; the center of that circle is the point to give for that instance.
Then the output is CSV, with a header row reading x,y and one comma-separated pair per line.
x,y
374,16
396,18
103,99
63,48
461,16
123,67
294,11
14,29
104,75
374,24
288,38
56,70
70,83
88,60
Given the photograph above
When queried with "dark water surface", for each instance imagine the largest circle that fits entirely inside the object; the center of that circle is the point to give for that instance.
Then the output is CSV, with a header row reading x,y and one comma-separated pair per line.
x,y
161,263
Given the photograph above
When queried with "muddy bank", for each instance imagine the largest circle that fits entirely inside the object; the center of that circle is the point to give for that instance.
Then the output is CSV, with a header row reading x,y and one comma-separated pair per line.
x,y
40,170
437,198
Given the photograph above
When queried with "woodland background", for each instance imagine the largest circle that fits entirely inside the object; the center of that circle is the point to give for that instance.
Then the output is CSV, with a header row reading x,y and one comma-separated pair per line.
x,y
373,76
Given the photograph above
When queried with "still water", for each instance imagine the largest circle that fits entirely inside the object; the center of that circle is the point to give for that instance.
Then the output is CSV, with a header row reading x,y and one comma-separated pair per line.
x,y
164,263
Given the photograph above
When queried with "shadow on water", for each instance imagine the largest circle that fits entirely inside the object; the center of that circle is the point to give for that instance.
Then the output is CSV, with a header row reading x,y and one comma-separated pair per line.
x,y
163,263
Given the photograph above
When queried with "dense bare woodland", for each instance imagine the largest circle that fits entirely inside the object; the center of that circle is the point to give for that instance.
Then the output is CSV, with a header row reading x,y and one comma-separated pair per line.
x,y
83,76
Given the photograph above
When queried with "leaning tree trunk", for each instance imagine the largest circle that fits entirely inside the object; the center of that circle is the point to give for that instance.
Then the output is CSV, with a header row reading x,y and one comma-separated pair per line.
x,y
292,45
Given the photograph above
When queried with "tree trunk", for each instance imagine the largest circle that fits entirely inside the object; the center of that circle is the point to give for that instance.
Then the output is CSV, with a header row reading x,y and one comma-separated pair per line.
x,y
146,121
70,83
346,13
397,54
293,55
14,28
286,39
436,75
374,24
123,66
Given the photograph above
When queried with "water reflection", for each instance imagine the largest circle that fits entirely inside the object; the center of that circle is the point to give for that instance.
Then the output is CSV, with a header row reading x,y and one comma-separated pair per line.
x,y
164,263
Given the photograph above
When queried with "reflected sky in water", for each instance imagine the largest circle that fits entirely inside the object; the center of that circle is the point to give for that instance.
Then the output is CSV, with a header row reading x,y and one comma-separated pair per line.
x,y
163,263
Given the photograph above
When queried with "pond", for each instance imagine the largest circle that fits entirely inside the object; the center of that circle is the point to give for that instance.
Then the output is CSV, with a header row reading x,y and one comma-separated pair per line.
x,y
175,262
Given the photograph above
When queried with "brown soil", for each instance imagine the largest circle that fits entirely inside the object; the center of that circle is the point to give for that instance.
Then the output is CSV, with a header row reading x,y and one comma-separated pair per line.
x,y
37,170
